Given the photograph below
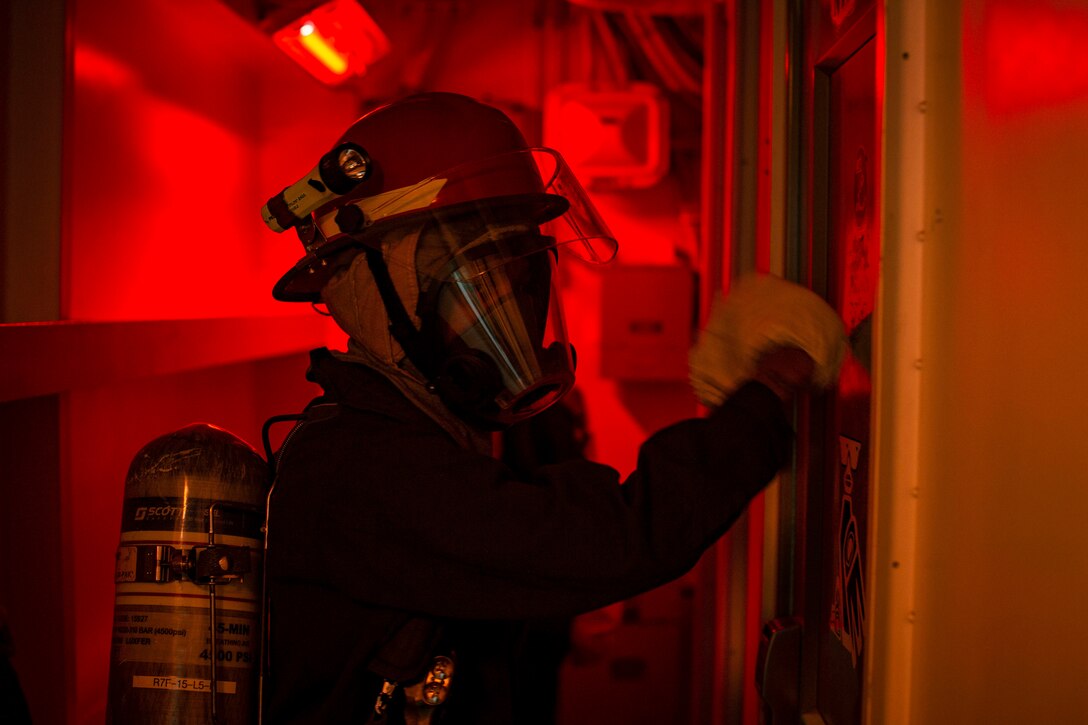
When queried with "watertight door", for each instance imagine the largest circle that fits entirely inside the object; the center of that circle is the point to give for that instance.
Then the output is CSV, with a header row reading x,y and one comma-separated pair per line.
x,y
837,610
812,670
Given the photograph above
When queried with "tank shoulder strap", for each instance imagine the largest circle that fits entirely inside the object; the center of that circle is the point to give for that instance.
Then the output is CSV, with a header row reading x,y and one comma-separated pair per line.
x,y
318,409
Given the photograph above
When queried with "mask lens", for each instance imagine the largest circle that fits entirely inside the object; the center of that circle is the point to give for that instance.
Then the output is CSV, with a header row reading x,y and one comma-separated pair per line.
x,y
508,312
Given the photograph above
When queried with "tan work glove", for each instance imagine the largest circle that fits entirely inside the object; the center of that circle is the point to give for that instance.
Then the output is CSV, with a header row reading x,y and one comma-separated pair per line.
x,y
770,330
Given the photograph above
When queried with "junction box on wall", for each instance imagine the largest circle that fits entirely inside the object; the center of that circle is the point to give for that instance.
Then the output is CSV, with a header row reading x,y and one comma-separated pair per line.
x,y
647,318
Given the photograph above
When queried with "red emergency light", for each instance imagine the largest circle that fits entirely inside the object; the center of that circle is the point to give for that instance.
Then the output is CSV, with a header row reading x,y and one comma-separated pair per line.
x,y
334,42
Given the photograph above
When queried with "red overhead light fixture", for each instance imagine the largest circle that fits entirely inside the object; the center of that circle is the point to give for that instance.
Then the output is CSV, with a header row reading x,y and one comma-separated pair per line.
x,y
616,137
333,42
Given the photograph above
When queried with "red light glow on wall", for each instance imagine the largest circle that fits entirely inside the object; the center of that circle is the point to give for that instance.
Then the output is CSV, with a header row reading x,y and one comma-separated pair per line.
x,y
334,42
1035,55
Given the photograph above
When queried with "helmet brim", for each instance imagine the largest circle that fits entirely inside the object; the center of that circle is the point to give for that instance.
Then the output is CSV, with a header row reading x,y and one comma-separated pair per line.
x,y
305,280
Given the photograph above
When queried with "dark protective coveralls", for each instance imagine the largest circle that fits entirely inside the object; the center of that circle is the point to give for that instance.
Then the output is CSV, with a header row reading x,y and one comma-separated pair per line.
x,y
379,515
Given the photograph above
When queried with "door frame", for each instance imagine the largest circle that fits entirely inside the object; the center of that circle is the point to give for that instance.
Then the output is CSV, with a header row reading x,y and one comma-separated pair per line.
x,y
829,34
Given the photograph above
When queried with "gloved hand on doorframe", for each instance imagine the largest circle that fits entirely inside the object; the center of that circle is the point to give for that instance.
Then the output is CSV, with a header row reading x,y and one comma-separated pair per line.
x,y
770,330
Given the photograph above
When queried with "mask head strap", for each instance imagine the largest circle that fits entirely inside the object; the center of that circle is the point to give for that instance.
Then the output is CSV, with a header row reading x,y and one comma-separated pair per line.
x,y
400,324
462,381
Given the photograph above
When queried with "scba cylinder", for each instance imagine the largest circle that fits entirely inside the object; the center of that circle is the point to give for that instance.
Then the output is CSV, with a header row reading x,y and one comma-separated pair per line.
x,y
186,623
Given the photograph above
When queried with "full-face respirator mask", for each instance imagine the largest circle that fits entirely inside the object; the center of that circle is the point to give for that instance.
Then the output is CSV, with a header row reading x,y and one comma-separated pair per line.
x,y
492,324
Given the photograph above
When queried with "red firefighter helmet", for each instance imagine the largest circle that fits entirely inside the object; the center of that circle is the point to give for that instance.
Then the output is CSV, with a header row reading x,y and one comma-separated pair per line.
x,y
431,155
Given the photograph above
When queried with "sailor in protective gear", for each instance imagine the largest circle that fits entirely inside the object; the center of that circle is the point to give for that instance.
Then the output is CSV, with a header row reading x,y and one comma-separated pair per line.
x,y
450,214
394,537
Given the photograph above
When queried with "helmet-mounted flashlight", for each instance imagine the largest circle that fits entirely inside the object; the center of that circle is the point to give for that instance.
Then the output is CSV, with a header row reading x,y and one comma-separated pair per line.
x,y
337,173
